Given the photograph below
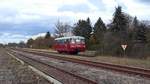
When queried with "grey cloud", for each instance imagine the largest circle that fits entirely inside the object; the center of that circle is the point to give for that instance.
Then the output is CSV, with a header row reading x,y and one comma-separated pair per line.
x,y
75,8
147,2
98,3
7,12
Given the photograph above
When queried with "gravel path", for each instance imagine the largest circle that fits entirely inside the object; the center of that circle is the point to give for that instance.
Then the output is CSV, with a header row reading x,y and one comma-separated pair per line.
x,y
12,72
99,75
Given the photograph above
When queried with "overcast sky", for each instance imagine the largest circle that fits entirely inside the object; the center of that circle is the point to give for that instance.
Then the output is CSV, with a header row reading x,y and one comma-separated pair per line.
x,y
22,19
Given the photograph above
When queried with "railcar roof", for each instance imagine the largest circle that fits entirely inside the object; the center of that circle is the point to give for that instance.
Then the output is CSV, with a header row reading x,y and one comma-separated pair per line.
x,y
80,37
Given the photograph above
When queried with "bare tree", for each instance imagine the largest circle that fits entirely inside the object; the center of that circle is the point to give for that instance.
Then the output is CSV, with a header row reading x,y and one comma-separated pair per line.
x,y
61,29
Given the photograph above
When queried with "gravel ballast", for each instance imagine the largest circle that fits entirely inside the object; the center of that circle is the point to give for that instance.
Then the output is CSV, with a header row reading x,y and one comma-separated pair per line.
x,y
100,75
13,72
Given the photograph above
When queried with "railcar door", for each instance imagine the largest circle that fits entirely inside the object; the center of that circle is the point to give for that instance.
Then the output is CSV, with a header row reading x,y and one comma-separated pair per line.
x,y
67,45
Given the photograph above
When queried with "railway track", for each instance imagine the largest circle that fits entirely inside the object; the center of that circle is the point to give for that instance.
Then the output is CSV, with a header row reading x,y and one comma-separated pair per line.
x,y
55,52
124,69
61,75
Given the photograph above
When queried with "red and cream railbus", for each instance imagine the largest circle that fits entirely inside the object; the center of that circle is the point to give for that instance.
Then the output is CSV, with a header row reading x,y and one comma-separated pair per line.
x,y
71,44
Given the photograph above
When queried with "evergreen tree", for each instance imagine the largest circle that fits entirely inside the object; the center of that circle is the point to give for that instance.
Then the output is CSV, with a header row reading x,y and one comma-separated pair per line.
x,y
83,28
135,26
88,21
30,42
117,34
119,21
139,39
99,30
141,34
119,25
135,22
139,31
48,35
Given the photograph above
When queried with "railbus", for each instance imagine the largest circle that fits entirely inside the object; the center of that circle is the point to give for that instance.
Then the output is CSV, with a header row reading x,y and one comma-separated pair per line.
x,y
70,44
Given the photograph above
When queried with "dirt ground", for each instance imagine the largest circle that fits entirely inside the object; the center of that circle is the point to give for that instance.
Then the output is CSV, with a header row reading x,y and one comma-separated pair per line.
x,y
13,72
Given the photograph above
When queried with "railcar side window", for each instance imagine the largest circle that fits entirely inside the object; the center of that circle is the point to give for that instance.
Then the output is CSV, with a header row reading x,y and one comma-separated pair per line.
x,y
59,41
62,41
67,40
72,40
78,40
82,41
56,41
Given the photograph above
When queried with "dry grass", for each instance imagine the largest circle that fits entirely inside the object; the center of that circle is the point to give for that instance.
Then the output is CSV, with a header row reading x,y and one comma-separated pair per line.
x,y
143,63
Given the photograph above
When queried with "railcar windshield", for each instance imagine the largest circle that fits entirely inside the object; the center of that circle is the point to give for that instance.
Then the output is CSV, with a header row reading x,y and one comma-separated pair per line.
x,y
77,40
60,41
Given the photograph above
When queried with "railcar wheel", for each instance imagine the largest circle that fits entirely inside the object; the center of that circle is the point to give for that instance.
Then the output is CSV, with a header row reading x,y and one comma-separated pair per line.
x,y
76,52
59,51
